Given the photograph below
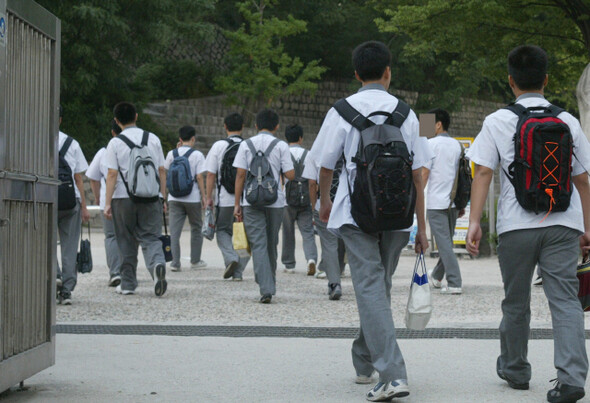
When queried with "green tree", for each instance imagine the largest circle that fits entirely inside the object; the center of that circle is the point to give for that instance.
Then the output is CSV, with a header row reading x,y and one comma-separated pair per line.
x,y
104,43
259,70
461,45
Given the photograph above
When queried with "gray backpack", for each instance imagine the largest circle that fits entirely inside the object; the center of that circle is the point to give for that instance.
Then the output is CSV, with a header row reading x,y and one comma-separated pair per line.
x,y
143,181
261,186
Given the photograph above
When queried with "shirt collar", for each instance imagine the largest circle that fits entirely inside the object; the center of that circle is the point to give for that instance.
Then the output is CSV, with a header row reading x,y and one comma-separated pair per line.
x,y
372,86
443,134
529,95
266,132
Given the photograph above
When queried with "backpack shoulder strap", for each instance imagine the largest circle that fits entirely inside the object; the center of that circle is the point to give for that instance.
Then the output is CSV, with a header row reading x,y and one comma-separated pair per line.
x,y
189,152
175,153
303,156
66,146
555,110
145,138
251,147
126,140
399,114
517,109
270,147
351,115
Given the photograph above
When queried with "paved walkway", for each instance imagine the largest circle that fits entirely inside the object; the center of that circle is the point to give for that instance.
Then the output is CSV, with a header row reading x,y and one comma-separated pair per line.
x,y
143,368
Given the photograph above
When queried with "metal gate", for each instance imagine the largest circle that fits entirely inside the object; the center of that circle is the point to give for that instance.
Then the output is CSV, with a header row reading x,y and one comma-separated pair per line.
x,y
29,99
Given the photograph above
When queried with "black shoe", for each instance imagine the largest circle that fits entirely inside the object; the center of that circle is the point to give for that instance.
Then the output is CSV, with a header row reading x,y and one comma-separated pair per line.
x,y
563,393
265,299
230,269
335,292
160,283
65,298
512,384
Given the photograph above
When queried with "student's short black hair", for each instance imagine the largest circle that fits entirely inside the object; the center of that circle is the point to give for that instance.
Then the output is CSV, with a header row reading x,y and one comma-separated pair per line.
x,y
115,127
267,119
527,64
125,112
293,133
234,122
186,133
370,59
440,115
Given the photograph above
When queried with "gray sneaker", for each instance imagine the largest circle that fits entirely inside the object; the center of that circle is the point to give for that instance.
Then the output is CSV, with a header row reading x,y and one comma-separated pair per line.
x,y
335,292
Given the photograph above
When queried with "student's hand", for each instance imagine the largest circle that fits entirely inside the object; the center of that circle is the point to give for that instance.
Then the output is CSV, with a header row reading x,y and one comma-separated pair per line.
x,y
108,213
473,237
325,210
164,206
238,213
421,242
461,213
209,202
85,214
585,243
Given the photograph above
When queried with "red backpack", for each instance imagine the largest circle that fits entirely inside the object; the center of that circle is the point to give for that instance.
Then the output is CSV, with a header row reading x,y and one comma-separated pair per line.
x,y
542,169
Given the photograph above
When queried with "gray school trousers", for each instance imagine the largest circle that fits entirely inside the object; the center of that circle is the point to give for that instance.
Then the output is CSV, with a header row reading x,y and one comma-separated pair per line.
x,y
262,226
442,225
68,226
304,218
373,260
331,262
111,247
137,224
224,231
556,250
178,212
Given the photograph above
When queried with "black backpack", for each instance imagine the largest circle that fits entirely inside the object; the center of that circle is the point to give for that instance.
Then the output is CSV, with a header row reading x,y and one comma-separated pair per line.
x,y
384,195
543,149
297,190
461,192
336,178
66,193
227,173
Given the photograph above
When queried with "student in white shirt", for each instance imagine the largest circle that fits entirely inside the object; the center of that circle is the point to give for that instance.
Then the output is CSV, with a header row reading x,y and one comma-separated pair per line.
x,y
303,215
135,223
441,212
262,223
234,264
526,239
191,206
69,221
332,261
372,257
97,173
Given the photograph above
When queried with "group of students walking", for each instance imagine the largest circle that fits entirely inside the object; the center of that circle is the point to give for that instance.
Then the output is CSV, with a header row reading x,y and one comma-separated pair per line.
x,y
361,185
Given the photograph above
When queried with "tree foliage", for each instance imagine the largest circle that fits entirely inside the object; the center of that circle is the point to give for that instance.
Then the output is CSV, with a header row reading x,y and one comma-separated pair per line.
x,y
259,69
461,45
105,43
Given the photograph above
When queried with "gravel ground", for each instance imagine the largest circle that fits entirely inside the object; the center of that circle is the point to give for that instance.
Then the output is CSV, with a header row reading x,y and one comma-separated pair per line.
x,y
202,297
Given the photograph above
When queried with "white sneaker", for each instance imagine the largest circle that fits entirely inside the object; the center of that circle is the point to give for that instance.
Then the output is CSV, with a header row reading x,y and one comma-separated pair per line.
x,y
115,281
199,265
320,274
174,268
363,379
289,270
121,291
384,392
451,290
434,282
538,281
310,267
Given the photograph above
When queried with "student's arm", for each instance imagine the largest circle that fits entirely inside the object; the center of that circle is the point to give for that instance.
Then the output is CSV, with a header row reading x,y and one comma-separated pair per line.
x,y
111,183
325,202
313,193
201,183
240,179
581,184
162,173
479,192
290,174
421,243
211,177
425,174
95,186
80,185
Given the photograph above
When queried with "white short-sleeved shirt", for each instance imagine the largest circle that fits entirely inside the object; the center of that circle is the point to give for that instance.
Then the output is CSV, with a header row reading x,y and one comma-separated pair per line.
x,y
495,145
337,136
117,156
312,171
197,162
97,171
213,164
443,169
280,161
74,157
297,152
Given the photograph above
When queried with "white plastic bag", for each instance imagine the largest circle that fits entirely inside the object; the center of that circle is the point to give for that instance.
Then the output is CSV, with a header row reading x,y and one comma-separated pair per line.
x,y
208,229
419,306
